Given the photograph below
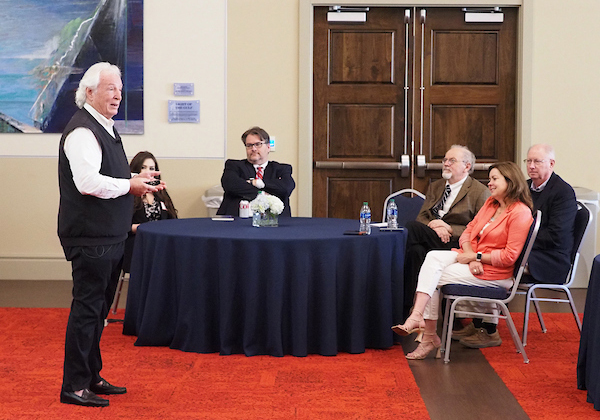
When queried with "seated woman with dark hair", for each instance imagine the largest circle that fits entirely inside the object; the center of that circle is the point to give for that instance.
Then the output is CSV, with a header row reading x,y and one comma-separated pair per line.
x,y
149,207
489,248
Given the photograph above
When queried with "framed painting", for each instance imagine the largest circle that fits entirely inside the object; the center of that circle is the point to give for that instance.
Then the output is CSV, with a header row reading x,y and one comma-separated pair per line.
x,y
46,46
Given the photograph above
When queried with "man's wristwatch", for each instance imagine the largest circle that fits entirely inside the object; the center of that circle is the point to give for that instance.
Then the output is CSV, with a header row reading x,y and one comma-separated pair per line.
x,y
478,258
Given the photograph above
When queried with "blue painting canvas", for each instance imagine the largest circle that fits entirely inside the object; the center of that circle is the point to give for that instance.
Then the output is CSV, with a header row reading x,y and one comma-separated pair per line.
x,y
46,46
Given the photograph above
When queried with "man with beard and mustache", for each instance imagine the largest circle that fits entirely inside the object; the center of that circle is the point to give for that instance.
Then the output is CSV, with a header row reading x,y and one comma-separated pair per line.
x,y
450,204
244,179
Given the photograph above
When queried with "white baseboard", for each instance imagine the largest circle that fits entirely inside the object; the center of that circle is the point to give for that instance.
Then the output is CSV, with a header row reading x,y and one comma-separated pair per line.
x,y
23,268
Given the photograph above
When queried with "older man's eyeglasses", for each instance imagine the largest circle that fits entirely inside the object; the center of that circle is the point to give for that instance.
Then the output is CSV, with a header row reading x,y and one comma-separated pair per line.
x,y
450,161
253,145
536,162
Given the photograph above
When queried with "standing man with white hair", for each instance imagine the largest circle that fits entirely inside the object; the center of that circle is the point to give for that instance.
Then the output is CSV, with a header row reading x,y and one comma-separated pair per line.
x,y
94,217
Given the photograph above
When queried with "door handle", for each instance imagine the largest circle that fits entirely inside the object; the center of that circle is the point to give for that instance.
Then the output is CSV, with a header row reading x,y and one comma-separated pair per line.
x,y
420,161
405,169
422,86
421,165
406,82
401,166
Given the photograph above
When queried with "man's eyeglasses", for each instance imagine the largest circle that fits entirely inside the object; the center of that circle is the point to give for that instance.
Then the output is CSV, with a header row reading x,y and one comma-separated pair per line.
x,y
450,161
536,162
253,145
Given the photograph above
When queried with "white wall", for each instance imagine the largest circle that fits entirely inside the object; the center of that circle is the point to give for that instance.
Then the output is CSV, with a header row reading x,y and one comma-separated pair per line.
x,y
565,86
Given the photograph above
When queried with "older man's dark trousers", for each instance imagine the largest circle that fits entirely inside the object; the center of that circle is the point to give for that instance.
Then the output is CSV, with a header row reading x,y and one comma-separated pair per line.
x,y
95,276
420,240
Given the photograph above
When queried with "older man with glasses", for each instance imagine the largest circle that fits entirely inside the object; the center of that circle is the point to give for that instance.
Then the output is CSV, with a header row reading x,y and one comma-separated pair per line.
x,y
450,204
550,259
244,179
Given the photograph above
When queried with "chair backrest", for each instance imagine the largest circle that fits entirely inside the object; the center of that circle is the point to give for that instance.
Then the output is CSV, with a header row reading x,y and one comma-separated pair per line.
x,y
533,231
408,207
583,218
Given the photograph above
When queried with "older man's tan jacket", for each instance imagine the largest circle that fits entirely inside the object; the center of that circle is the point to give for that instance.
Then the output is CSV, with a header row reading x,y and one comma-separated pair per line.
x,y
469,200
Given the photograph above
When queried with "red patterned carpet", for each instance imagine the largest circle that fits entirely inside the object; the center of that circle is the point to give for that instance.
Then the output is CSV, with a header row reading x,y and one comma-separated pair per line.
x,y
170,384
546,388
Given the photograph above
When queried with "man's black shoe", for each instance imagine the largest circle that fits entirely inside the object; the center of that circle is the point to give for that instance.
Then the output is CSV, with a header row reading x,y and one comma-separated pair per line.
x,y
105,388
87,399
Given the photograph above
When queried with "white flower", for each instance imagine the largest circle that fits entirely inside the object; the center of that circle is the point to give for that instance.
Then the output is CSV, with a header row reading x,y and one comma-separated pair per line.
x,y
266,202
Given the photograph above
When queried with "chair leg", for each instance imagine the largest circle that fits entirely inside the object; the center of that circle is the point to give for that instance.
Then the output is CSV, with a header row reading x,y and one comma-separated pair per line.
x,y
573,308
118,294
513,332
449,335
526,317
445,326
538,311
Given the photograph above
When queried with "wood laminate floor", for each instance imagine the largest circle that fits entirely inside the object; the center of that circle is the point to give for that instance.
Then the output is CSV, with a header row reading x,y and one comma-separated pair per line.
x,y
466,388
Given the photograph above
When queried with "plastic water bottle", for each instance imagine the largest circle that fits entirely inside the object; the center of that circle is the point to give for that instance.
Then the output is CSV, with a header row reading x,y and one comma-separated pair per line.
x,y
392,214
365,219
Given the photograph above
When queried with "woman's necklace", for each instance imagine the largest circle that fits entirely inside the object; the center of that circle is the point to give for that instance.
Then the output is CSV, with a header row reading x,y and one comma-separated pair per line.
x,y
148,198
498,213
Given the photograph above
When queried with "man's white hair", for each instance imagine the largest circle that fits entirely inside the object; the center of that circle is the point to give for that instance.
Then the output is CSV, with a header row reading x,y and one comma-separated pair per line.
x,y
547,149
91,79
468,156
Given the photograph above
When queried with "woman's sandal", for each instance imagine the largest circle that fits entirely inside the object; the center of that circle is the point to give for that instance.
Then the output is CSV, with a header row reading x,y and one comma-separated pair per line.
x,y
411,325
426,346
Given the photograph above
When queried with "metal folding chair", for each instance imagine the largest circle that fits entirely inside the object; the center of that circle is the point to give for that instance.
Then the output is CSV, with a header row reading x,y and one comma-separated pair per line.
x,y
119,289
124,270
408,205
498,296
529,285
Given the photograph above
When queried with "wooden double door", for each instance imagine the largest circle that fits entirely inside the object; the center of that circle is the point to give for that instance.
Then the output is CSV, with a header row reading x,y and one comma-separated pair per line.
x,y
392,94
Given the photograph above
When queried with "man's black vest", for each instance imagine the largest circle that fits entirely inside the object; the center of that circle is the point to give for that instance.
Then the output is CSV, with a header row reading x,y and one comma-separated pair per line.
x,y
85,220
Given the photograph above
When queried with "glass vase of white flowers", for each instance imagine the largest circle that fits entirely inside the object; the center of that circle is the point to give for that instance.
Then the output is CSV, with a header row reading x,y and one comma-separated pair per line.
x,y
266,209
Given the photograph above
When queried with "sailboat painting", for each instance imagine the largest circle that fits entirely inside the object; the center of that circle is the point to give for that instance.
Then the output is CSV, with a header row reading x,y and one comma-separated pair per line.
x,y
46,46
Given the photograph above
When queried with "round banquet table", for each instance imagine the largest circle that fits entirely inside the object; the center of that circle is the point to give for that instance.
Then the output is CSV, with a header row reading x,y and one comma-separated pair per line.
x,y
304,287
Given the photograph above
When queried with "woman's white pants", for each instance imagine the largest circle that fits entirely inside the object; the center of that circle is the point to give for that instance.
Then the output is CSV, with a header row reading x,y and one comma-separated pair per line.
x,y
440,268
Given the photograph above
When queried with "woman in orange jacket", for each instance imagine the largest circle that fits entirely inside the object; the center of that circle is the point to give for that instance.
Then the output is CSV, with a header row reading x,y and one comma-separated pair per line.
x,y
489,248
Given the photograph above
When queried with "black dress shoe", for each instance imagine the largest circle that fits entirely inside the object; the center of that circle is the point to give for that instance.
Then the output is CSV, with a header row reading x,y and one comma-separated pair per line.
x,y
87,399
105,388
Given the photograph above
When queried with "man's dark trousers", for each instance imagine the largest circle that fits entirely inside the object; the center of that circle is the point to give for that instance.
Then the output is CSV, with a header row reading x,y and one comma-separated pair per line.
x,y
96,272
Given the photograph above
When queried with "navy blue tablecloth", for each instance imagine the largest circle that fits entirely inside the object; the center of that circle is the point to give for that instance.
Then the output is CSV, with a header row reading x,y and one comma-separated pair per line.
x,y
588,363
301,288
